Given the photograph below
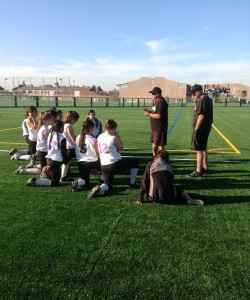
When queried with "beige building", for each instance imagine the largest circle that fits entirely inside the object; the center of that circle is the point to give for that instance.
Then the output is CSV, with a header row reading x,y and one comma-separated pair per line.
x,y
175,90
140,88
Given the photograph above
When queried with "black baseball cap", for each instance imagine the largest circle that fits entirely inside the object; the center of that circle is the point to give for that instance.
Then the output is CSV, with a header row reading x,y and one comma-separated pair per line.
x,y
196,88
156,90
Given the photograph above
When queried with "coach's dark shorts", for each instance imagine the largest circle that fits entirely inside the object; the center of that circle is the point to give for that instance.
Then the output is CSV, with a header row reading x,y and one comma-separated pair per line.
x,y
158,138
201,140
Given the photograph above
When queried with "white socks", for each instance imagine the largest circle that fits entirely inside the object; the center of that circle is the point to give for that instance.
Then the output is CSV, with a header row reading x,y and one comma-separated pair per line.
x,y
64,170
104,187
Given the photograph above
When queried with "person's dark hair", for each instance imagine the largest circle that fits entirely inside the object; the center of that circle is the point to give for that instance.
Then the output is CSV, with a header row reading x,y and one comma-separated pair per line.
x,y
56,128
163,154
110,124
53,113
30,109
91,111
70,115
86,126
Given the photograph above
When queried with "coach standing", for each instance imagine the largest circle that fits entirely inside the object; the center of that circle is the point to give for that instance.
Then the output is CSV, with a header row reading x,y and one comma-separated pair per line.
x,y
158,121
202,124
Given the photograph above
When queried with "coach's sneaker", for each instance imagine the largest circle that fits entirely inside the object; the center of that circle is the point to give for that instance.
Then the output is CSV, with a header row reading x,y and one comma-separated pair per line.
x,y
195,174
135,186
205,171
74,186
195,202
31,181
12,151
20,170
94,191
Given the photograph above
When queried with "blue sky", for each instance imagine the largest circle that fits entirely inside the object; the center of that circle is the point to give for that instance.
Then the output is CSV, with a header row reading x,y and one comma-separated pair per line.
x,y
108,42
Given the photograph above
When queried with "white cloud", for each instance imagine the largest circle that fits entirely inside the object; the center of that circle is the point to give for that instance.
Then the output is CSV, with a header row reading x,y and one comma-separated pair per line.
x,y
108,71
162,45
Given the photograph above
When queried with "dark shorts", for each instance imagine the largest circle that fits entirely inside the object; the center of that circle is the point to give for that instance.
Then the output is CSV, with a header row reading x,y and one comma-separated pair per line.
x,y
71,153
109,171
158,138
32,147
201,138
41,157
55,169
84,167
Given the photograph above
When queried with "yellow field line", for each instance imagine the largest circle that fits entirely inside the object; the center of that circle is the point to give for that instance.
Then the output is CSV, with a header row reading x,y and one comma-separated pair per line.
x,y
169,150
226,139
10,129
12,143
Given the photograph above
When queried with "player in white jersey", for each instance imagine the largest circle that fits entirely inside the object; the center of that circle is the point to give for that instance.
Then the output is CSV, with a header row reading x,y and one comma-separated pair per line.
x,y
57,154
109,146
23,154
86,154
70,119
45,121
32,125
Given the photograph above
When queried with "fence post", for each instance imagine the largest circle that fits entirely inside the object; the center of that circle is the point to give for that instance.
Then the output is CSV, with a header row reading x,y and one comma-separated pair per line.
x,y
106,102
138,102
74,99
91,101
56,101
15,100
122,102
37,101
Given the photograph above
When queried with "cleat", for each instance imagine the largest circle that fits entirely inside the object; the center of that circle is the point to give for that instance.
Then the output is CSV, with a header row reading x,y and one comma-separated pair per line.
x,y
20,170
15,157
32,161
96,190
195,202
195,174
12,151
31,182
74,186
45,173
30,165
205,171
135,186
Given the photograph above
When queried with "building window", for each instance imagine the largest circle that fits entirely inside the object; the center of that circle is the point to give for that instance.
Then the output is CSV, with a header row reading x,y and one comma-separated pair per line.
x,y
181,85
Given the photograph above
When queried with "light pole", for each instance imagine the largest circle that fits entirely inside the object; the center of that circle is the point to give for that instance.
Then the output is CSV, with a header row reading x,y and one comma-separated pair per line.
x,y
61,83
5,83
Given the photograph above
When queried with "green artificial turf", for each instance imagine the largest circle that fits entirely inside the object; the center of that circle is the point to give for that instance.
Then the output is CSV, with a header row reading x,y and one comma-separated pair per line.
x,y
55,244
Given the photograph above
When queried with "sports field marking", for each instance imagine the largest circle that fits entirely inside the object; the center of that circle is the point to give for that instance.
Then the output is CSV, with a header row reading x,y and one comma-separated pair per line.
x,y
10,129
194,160
226,139
175,121
12,143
